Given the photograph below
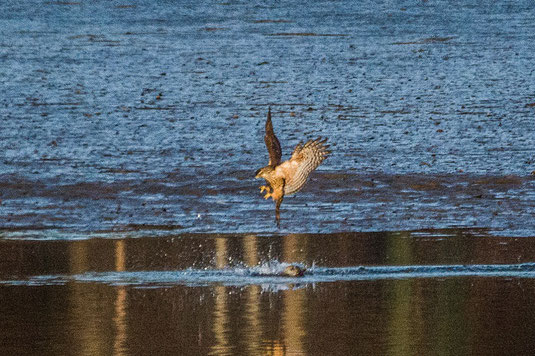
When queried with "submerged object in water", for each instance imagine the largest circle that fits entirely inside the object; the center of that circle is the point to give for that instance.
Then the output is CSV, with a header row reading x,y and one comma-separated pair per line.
x,y
288,271
293,271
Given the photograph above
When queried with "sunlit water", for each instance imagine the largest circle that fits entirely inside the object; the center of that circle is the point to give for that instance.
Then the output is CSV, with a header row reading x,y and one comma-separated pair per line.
x,y
127,117
130,222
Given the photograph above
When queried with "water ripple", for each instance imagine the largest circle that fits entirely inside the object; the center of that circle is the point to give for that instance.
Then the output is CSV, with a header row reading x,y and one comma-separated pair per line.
x,y
270,275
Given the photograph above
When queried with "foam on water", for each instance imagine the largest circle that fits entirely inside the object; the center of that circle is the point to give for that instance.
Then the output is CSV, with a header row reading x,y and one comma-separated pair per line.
x,y
270,275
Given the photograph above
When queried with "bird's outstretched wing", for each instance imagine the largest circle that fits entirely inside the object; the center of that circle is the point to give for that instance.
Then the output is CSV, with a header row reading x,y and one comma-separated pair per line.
x,y
272,143
306,157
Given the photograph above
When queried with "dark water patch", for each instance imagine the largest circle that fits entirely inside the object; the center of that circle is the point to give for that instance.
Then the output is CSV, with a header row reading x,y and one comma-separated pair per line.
x,y
221,293
476,113
427,40
119,170
129,33
273,82
213,29
306,34
139,227
5,231
507,182
125,6
155,108
163,248
272,21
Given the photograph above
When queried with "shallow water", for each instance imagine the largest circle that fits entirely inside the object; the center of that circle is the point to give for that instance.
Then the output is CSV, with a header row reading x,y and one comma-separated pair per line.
x,y
120,117
271,275
449,291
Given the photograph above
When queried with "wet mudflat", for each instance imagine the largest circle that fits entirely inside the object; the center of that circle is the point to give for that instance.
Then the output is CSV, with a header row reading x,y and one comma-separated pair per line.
x,y
332,201
447,292
130,222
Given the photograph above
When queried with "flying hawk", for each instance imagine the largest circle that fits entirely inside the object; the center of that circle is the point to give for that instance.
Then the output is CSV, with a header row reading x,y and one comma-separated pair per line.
x,y
289,176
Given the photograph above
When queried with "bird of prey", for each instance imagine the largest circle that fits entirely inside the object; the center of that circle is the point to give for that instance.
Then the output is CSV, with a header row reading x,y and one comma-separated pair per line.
x,y
289,176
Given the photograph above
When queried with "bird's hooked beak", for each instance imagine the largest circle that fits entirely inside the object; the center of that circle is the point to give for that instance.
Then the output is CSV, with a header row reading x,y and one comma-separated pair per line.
x,y
257,173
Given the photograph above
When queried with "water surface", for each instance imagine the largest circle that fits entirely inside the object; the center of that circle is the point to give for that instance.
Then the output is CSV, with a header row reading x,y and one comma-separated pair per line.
x,y
153,114
444,291
130,222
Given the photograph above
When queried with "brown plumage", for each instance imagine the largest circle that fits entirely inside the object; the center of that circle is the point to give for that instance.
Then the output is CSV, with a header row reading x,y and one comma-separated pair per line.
x,y
289,176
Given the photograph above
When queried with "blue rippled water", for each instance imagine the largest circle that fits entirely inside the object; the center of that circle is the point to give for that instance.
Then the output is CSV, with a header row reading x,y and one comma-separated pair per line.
x,y
151,114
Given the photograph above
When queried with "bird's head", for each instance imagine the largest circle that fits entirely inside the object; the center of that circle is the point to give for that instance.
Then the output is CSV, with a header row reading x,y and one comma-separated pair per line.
x,y
263,172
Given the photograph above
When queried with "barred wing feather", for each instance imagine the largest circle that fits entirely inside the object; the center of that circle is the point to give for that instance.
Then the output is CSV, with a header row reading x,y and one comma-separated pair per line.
x,y
308,157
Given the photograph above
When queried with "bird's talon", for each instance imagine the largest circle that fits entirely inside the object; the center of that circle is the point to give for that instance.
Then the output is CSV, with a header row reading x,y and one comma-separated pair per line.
x,y
265,188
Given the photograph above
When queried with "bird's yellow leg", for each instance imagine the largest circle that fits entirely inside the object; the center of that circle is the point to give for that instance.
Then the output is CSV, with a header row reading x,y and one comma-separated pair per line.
x,y
264,187
268,190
